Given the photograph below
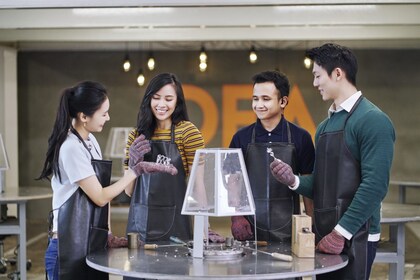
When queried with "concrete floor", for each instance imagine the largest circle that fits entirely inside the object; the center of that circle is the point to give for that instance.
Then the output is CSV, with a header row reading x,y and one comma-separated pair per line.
x,y
37,242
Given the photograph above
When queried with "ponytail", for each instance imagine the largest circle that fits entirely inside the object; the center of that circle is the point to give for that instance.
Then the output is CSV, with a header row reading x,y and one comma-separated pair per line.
x,y
59,133
86,97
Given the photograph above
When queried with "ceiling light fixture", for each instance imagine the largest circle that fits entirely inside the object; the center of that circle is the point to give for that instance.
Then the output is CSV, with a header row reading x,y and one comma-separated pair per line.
x,y
151,63
203,66
140,78
203,60
307,62
253,57
126,63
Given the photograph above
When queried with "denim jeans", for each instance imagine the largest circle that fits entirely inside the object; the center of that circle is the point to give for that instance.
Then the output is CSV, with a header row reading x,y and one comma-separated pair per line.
x,y
51,259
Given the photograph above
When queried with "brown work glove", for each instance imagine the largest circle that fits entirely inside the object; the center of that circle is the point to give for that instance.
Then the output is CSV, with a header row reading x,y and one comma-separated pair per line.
x,y
332,243
214,237
282,172
116,242
145,167
138,149
241,229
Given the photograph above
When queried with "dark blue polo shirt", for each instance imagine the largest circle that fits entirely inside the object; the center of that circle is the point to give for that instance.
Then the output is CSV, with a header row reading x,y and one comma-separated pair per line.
x,y
305,151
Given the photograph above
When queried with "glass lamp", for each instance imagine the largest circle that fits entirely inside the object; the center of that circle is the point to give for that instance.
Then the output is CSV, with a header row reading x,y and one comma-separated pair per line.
x,y
4,164
218,186
115,145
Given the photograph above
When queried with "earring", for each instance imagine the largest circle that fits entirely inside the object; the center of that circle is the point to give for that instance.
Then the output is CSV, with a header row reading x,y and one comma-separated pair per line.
x,y
84,124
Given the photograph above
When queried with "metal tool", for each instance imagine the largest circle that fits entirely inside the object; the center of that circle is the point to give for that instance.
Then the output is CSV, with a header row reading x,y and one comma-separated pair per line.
x,y
270,152
247,243
179,243
177,240
155,246
277,256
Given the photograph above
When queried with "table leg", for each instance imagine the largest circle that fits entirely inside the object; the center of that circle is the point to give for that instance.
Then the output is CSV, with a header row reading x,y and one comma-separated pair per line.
x,y
401,194
22,240
396,270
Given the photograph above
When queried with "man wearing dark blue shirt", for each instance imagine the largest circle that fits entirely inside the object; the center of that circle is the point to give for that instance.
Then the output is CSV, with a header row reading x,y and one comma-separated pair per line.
x,y
290,143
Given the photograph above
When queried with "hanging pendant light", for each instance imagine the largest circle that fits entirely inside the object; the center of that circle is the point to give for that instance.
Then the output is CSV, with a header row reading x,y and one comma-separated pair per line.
x,y
126,63
203,54
307,62
151,63
203,60
253,57
140,78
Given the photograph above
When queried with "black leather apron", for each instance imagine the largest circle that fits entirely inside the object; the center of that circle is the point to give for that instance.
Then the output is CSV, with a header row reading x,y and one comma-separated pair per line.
x,y
156,203
336,180
83,228
275,203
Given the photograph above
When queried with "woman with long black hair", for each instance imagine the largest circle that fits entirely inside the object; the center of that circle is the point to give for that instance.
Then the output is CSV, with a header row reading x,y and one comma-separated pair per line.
x,y
156,203
81,181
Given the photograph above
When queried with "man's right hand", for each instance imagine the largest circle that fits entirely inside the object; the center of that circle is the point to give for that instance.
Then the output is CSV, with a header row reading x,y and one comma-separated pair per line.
x,y
282,172
241,229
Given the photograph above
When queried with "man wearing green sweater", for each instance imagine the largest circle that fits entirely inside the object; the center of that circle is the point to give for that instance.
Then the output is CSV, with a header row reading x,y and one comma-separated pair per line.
x,y
353,157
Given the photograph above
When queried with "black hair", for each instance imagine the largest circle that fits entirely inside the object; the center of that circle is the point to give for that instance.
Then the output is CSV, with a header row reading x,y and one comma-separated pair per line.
x,y
146,121
330,56
86,97
280,80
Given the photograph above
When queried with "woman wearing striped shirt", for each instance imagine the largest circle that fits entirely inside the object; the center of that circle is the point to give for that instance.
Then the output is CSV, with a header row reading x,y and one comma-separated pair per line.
x,y
156,203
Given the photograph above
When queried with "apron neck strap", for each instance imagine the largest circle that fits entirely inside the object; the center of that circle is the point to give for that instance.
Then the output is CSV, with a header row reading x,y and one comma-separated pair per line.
x,y
173,133
74,131
354,108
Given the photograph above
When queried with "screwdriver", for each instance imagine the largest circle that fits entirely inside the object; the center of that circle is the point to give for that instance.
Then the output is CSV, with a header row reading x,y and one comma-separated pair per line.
x,y
155,246
277,256
172,238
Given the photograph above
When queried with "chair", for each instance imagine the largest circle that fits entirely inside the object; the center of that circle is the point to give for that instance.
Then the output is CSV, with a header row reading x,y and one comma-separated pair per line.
x,y
4,261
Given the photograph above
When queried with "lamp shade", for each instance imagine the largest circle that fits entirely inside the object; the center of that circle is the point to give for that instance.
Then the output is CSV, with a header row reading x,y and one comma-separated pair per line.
x,y
117,139
218,185
4,163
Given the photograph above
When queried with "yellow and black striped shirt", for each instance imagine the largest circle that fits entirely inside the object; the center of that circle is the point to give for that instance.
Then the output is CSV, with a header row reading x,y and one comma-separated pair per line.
x,y
187,138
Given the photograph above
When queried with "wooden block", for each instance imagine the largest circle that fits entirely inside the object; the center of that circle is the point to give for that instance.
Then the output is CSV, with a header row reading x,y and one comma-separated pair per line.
x,y
304,247
299,222
303,240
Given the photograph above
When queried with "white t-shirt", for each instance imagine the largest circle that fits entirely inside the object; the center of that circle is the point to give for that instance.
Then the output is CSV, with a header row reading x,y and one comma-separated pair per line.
x,y
75,164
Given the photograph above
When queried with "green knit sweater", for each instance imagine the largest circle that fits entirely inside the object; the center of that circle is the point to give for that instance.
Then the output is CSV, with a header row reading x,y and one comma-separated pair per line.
x,y
370,136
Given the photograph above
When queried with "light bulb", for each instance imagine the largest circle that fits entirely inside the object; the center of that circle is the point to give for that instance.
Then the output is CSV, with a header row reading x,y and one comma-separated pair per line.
x,y
126,64
140,78
203,55
203,66
253,56
151,63
307,62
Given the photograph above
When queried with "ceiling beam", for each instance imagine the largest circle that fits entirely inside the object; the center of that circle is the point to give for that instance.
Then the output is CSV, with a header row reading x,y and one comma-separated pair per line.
x,y
177,3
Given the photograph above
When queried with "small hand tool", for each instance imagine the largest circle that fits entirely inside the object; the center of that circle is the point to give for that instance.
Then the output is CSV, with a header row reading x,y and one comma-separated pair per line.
x,y
179,243
270,152
262,243
278,256
155,246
